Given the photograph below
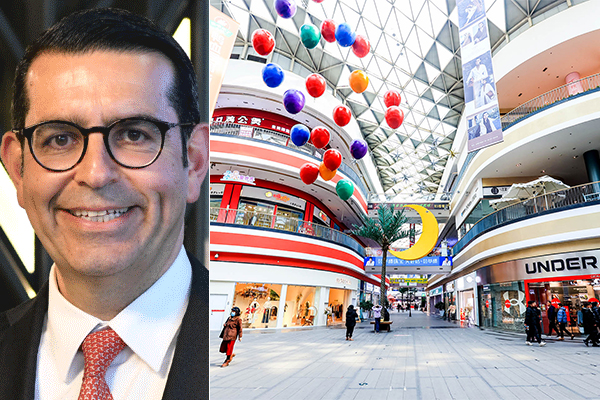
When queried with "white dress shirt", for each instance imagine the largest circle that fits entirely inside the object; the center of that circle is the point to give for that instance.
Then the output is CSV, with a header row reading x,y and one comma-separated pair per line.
x,y
149,326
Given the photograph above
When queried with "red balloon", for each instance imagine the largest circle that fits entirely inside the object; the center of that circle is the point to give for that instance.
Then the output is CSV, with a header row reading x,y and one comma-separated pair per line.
x,y
342,115
263,42
361,46
320,137
394,117
332,159
392,98
309,173
315,85
328,30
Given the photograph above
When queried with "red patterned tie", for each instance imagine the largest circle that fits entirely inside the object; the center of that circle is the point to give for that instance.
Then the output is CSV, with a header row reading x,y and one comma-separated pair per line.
x,y
99,350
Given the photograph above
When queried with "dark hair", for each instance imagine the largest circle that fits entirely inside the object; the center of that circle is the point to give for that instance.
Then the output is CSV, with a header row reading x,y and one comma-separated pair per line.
x,y
560,304
530,302
118,30
237,311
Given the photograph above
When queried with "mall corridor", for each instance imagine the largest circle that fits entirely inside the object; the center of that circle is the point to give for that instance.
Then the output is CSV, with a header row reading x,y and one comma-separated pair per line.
x,y
421,358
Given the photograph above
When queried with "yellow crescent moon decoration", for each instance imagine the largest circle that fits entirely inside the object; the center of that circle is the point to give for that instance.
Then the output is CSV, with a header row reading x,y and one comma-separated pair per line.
x,y
428,238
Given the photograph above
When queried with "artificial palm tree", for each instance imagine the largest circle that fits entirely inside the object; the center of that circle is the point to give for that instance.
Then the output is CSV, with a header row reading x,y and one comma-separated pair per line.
x,y
385,229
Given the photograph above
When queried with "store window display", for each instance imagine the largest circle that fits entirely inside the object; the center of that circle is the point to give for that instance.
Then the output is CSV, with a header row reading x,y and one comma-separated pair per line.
x,y
259,304
255,214
300,308
503,305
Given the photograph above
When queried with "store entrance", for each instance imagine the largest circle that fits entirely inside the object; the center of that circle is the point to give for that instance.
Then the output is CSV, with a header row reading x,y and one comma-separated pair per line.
x,y
337,298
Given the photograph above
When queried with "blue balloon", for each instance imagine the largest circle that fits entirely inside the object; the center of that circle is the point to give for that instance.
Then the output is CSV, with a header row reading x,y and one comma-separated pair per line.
x,y
344,35
285,8
272,75
293,101
300,134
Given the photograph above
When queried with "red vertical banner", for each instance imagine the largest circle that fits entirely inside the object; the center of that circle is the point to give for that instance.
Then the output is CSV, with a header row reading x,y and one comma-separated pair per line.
x,y
223,31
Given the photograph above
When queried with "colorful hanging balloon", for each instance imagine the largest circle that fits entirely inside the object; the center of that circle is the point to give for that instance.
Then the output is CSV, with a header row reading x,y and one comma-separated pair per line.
x,y
358,148
320,137
394,117
361,46
285,8
310,35
342,115
344,35
263,42
392,98
293,101
309,173
326,173
332,159
315,85
328,30
344,189
359,81
299,134
318,1
272,75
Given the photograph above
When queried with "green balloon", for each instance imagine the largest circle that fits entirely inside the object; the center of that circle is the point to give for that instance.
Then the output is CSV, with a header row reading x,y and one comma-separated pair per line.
x,y
344,189
310,35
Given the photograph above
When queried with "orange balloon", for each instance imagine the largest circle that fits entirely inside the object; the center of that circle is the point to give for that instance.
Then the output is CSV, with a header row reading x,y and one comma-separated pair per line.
x,y
326,173
359,81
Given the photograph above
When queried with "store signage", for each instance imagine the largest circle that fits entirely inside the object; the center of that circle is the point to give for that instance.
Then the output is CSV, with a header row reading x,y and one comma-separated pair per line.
x,y
369,287
237,119
436,292
495,191
560,264
273,196
520,302
343,281
397,262
450,287
408,280
277,196
235,176
217,189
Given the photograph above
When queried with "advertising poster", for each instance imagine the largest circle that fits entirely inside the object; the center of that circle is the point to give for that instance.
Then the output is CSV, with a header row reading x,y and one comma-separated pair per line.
x,y
223,31
481,99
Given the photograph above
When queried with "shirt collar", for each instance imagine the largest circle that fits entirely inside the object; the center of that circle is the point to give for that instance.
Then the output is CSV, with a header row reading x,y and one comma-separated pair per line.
x,y
148,325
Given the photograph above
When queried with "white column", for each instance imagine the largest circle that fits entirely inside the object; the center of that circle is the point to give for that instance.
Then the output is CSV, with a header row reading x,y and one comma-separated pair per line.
x,y
281,308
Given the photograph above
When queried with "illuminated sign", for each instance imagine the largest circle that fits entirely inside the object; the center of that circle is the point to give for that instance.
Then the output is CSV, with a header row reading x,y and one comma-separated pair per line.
x,y
408,280
235,176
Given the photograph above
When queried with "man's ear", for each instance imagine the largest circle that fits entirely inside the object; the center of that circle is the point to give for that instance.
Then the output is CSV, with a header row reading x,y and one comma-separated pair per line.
x,y
12,158
197,150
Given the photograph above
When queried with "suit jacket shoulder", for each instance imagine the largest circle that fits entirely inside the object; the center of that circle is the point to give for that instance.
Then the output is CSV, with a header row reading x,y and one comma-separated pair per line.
x,y
20,333
188,377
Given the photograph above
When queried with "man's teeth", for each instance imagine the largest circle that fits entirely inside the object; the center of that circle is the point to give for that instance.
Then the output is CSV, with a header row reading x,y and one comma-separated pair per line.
x,y
100,216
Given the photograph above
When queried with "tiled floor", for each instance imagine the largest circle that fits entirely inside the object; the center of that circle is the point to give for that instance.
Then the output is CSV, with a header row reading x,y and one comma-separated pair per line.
x,y
422,358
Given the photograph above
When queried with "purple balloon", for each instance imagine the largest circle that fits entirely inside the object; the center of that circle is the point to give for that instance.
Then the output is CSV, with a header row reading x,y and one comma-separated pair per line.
x,y
285,8
358,149
293,101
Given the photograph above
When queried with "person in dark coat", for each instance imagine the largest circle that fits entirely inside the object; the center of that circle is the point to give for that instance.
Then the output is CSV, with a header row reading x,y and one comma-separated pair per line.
x,y
533,324
232,329
351,316
386,314
551,314
589,325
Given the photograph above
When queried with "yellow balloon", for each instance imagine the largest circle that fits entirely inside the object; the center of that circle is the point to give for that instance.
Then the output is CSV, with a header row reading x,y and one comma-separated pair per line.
x,y
326,173
428,238
359,81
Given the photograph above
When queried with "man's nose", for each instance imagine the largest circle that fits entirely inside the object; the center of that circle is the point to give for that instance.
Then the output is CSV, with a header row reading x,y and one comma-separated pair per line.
x,y
97,168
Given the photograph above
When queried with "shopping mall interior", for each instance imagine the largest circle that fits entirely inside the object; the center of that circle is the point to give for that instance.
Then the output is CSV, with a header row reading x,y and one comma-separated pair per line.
x,y
484,113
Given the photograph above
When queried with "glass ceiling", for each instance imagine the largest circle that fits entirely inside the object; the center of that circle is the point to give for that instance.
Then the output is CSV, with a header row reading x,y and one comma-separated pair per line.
x,y
414,49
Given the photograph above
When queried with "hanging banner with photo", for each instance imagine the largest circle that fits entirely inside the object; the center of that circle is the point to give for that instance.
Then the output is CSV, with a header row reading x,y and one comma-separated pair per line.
x,y
481,99
222,31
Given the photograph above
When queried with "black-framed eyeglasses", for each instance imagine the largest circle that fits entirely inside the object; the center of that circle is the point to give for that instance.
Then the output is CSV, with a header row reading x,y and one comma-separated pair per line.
x,y
131,142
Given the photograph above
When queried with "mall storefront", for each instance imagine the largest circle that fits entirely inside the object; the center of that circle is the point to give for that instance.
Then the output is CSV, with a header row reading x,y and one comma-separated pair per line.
x,y
568,278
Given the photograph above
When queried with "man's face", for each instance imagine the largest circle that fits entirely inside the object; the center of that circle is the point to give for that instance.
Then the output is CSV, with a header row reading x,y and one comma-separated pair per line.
x,y
95,89
478,62
485,117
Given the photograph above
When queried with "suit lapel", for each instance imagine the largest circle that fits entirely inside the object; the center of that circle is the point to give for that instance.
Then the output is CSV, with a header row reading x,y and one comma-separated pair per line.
x,y
19,347
188,377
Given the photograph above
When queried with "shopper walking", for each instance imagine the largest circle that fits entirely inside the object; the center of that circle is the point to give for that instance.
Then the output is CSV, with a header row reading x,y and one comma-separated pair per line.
x,y
351,316
561,318
590,327
551,314
377,316
532,322
232,329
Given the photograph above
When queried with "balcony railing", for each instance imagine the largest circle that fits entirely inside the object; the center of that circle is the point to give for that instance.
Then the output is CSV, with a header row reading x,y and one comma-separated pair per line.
x,y
550,202
283,140
549,98
283,223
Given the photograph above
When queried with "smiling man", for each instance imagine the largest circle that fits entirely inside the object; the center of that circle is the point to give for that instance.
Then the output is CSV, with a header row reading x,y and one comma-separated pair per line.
x,y
105,152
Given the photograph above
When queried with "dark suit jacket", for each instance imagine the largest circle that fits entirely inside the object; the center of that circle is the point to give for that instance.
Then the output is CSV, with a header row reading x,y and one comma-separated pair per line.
x,y
21,330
